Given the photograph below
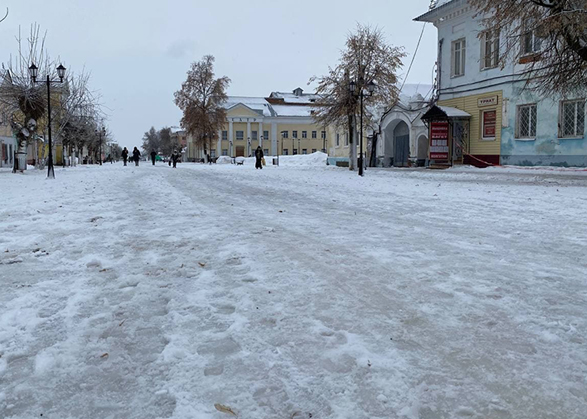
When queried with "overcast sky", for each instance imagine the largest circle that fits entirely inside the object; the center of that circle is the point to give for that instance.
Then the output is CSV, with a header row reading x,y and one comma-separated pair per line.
x,y
138,52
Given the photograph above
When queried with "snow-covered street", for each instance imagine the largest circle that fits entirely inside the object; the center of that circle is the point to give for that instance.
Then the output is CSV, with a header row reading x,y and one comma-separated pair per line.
x,y
293,292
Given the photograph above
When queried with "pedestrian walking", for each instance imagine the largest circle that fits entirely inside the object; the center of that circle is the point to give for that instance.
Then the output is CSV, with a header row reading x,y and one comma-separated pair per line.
x,y
259,158
136,154
124,155
174,159
153,156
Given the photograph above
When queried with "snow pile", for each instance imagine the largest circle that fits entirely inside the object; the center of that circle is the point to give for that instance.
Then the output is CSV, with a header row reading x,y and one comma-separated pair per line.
x,y
316,159
224,160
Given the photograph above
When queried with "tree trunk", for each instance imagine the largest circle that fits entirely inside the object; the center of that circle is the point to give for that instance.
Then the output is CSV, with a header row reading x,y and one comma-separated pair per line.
x,y
351,133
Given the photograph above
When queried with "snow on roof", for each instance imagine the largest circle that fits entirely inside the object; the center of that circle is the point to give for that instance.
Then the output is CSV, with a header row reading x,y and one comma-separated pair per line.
x,y
292,110
292,97
258,104
453,112
413,92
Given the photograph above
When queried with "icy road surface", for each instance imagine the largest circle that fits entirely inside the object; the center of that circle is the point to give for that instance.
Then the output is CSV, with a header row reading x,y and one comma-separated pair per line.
x,y
293,292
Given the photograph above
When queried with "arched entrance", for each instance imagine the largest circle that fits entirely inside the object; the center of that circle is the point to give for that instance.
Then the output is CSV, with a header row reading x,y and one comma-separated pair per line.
x,y
401,145
422,150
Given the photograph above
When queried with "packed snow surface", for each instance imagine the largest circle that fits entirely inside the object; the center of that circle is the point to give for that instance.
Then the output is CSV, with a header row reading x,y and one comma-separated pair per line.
x,y
293,292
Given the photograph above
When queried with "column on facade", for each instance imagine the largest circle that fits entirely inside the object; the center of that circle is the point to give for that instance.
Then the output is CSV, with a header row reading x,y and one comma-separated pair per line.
x,y
260,134
230,137
249,138
274,139
219,144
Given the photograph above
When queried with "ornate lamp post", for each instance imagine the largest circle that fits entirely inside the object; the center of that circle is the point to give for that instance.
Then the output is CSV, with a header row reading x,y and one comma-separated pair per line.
x,y
33,73
359,91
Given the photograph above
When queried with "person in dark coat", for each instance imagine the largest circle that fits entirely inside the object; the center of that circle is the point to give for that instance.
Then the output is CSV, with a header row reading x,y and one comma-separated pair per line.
x,y
153,156
259,158
174,159
124,155
136,154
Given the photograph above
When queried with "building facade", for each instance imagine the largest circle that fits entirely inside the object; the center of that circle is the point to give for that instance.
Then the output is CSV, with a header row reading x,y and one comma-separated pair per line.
x,y
282,123
509,123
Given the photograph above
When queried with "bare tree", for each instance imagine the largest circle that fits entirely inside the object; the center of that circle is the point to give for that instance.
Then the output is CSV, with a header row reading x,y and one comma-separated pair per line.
x,y
201,99
24,102
366,59
151,141
553,31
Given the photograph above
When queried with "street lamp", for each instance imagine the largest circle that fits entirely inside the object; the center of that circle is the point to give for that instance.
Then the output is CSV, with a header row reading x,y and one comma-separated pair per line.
x,y
360,92
101,133
33,73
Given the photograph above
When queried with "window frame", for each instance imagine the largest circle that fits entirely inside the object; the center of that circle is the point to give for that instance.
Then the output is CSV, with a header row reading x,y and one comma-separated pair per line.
x,y
561,131
314,135
533,43
286,152
304,151
338,140
254,135
242,135
518,113
494,42
462,42
265,135
323,135
304,134
294,134
284,134
225,151
224,135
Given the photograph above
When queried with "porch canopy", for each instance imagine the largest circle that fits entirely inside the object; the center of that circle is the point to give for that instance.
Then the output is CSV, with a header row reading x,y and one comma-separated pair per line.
x,y
444,113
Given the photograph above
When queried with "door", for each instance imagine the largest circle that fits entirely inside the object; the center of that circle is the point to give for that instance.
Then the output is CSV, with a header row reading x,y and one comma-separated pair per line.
x,y
240,151
401,145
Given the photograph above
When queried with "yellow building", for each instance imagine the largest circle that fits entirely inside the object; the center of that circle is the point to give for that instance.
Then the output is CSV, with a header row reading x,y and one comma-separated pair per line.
x,y
482,144
282,123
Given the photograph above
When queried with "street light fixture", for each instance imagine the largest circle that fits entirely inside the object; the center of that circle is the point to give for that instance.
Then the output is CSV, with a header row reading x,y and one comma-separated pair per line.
x,y
370,87
33,73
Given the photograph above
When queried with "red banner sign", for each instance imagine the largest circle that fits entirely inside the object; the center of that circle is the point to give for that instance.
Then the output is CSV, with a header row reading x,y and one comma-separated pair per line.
x,y
439,141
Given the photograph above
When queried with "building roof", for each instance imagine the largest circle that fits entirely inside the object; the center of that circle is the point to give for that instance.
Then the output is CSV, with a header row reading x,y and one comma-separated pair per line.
x,y
444,112
437,10
258,104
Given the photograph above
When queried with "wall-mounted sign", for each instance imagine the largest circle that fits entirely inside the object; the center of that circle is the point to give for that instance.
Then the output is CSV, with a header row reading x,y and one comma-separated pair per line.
x,y
439,141
487,101
489,123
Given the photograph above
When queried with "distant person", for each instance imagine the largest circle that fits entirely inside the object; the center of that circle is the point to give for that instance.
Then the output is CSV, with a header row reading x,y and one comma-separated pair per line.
x,y
153,156
174,159
109,158
259,158
209,159
124,155
136,155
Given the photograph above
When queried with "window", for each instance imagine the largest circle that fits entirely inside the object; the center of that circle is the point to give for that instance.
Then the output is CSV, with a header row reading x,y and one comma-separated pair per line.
x,y
458,51
526,121
294,134
313,150
225,152
265,135
338,140
304,134
266,151
254,135
285,134
285,151
323,135
346,140
314,134
295,151
531,42
572,119
212,154
240,135
224,135
304,151
488,124
489,49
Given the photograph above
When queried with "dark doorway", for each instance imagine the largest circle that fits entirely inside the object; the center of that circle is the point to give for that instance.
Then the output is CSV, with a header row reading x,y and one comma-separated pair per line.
x,y
401,145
